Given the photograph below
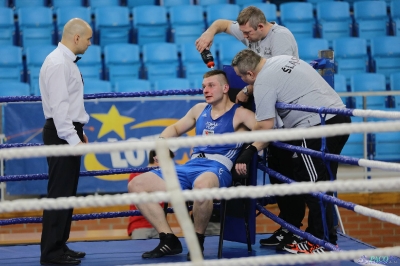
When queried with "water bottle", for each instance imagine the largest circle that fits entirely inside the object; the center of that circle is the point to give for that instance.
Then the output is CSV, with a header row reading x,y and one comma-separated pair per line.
x,y
208,58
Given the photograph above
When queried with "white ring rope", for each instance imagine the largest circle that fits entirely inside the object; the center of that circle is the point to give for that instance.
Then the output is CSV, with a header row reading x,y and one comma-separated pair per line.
x,y
262,135
214,193
377,113
290,259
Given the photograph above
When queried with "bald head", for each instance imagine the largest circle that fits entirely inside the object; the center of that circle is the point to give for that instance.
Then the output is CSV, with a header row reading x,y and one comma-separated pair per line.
x,y
77,35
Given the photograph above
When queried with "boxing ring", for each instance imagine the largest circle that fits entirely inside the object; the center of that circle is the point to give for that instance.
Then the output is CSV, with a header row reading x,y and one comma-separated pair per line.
x,y
349,251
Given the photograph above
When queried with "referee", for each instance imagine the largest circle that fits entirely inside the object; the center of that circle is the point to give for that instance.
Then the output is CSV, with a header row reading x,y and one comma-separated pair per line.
x,y
61,87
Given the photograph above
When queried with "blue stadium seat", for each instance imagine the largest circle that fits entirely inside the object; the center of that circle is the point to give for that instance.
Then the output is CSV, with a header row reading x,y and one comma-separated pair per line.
x,y
316,2
334,20
367,82
247,2
3,3
298,18
395,86
160,60
135,3
35,57
205,3
269,10
170,3
222,39
395,17
64,14
341,86
221,11
309,48
11,67
64,3
370,19
228,50
112,25
14,88
35,26
29,3
187,23
193,66
90,64
171,84
150,24
7,28
132,85
354,146
350,56
121,61
97,86
387,146
385,55
94,4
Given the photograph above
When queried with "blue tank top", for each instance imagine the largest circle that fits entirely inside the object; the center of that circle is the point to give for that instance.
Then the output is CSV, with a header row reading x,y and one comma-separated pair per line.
x,y
205,125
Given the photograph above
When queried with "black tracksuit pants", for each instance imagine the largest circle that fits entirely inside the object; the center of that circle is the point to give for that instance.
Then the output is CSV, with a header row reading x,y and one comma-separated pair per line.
x,y
302,168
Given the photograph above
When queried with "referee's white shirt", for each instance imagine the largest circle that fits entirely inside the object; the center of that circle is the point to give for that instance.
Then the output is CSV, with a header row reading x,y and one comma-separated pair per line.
x,y
61,88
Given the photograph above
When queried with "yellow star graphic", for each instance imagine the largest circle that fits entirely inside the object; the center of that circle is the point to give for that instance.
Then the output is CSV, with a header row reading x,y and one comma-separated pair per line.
x,y
184,159
112,121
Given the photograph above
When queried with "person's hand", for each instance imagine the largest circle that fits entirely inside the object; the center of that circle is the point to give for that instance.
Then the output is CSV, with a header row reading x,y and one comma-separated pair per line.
x,y
241,97
204,41
85,139
244,159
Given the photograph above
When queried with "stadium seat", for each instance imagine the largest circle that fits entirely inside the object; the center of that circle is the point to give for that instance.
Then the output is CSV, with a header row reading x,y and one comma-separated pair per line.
x,y
187,23
150,24
354,146
132,85
121,61
269,10
7,28
160,60
11,67
247,2
334,20
309,48
369,82
171,84
387,146
298,18
222,39
316,2
35,26
90,64
350,56
395,17
29,3
228,50
64,14
96,86
112,25
395,86
135,3
64,3
340,86
94,4
385,55
14,88
3,3
193,66
370,19
35,57
221,11
170,3
205,3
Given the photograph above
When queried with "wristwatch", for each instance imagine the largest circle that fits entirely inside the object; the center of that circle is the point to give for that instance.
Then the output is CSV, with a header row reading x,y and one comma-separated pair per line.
x,y
245,91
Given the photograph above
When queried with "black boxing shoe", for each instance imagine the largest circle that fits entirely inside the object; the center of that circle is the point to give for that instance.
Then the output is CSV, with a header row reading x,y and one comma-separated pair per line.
x,y
169,245
61,260
200,238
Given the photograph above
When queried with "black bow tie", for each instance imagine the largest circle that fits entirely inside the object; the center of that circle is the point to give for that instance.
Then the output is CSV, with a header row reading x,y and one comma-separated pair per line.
x,y
77,59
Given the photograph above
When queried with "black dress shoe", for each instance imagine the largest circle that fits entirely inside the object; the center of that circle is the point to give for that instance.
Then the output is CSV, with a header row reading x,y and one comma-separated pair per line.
x,y
75,254
61,260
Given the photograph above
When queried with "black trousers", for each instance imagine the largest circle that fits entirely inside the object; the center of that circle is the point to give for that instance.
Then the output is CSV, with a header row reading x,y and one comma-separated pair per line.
x,y
305,168
63,182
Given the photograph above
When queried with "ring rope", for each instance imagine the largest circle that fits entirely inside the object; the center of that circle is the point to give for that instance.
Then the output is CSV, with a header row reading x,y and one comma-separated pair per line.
x,y
203,194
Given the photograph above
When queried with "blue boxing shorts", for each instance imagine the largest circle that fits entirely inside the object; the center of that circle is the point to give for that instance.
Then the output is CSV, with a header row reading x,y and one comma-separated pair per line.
x,y
188,172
